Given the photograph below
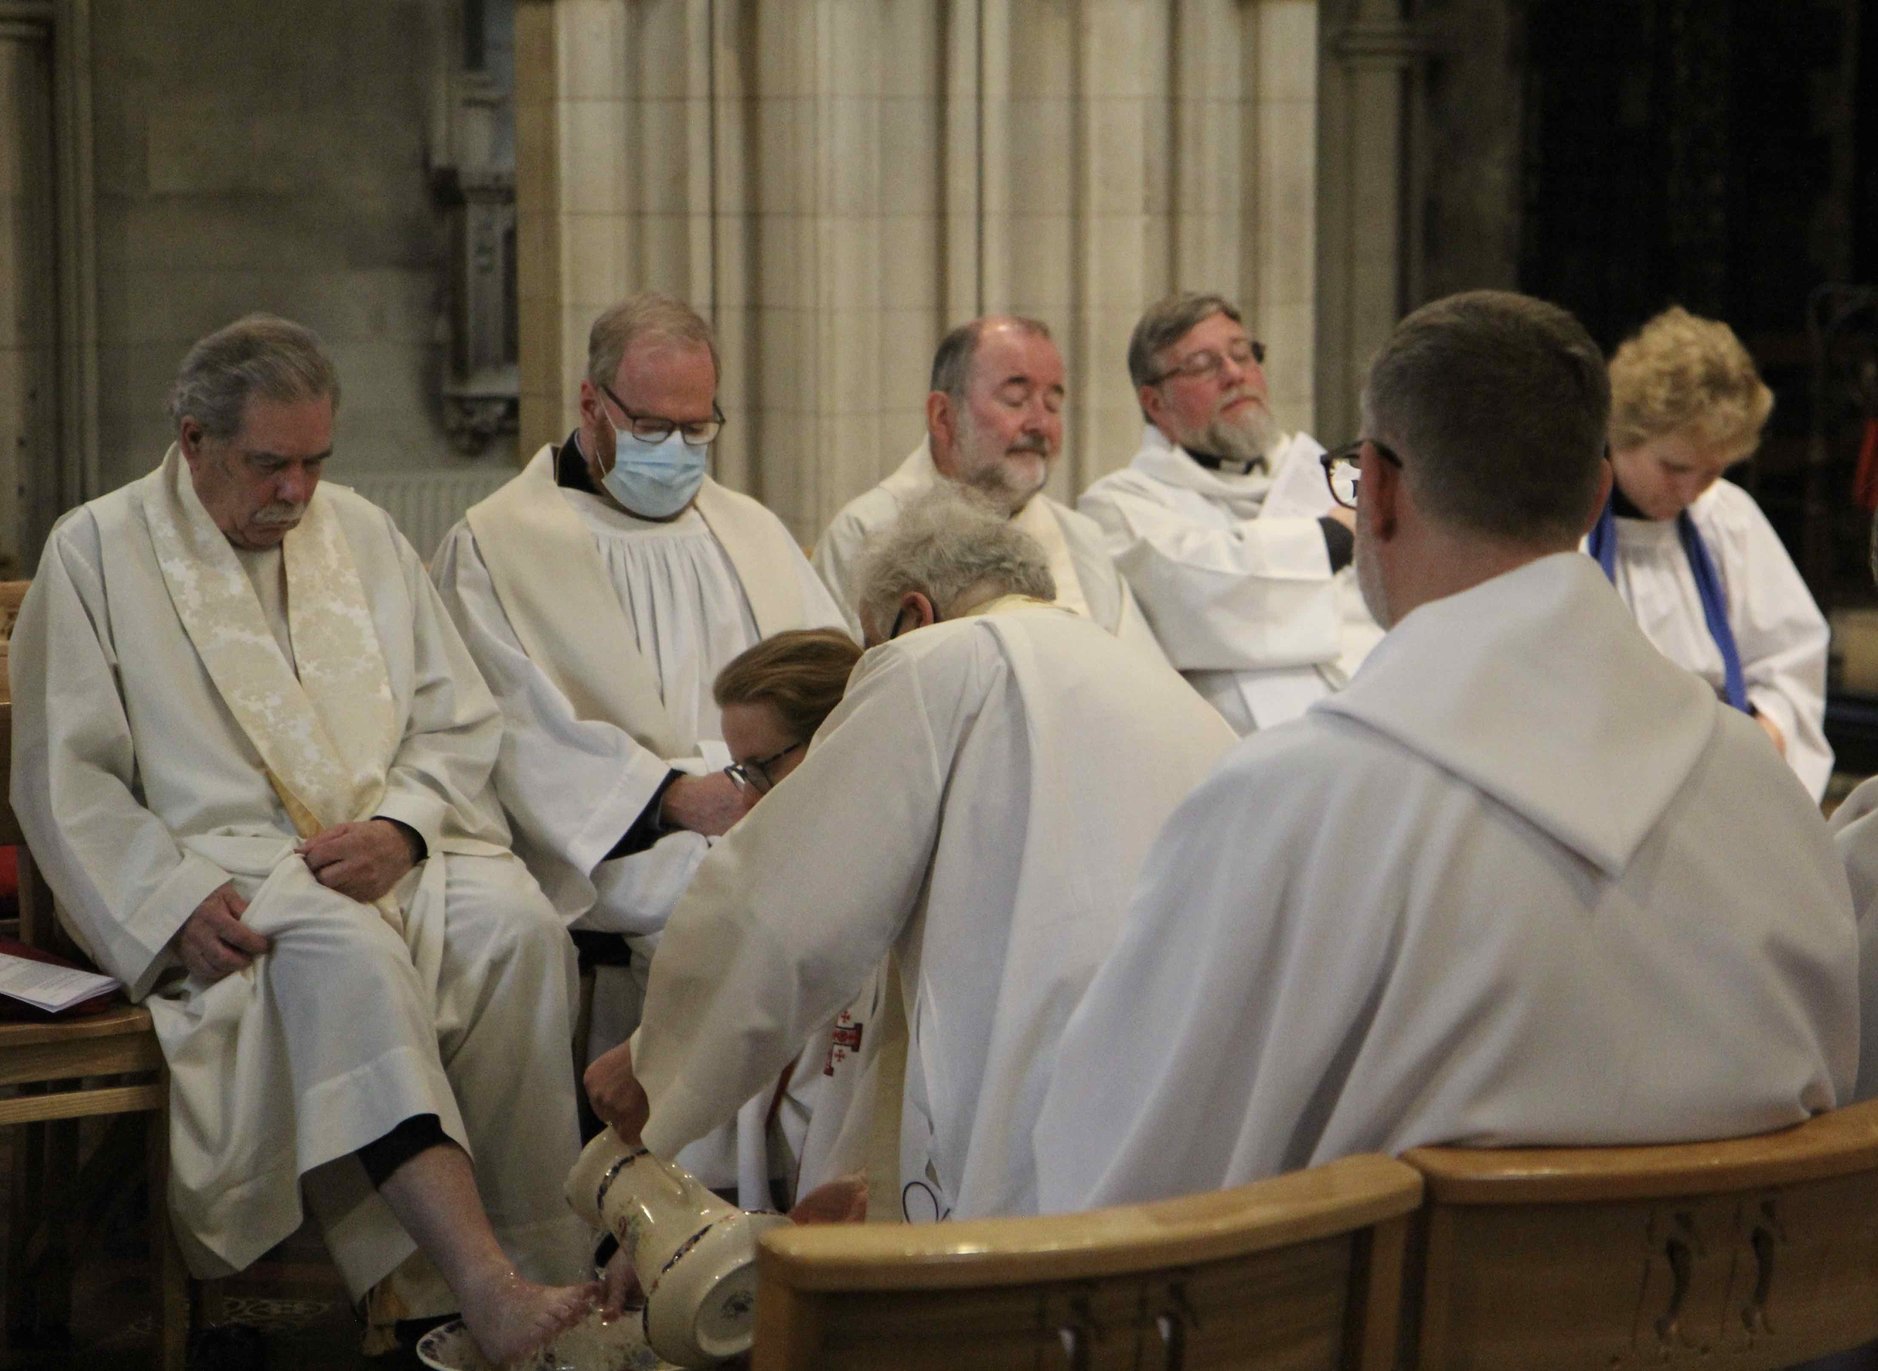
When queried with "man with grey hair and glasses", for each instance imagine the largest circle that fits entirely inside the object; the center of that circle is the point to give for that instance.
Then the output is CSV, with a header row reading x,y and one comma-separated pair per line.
x,y
1221,527
994,424
253,758
1523,881
978,804
600,592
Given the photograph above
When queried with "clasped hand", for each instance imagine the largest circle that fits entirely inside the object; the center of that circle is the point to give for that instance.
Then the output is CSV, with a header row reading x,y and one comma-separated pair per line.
x,y
363,860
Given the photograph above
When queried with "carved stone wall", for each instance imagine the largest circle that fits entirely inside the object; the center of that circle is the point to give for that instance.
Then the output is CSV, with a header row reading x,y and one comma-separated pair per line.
x,y
257,155
835,183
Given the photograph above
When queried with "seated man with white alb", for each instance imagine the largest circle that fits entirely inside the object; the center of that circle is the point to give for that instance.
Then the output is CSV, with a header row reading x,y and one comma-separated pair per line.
x,y
979,805
994,424
600,592
1222,527
254,758
1524,881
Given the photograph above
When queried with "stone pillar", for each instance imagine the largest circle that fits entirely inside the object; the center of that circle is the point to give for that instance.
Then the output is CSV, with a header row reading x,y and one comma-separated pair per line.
x,y
834,183
1370,56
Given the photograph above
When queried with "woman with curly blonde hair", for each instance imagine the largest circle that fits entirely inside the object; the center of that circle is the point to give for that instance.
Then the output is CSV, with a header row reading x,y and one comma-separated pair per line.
x,y
1692,554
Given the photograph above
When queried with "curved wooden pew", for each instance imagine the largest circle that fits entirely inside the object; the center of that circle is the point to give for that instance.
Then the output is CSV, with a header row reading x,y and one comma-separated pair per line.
x,y
1747,1253
1300,1271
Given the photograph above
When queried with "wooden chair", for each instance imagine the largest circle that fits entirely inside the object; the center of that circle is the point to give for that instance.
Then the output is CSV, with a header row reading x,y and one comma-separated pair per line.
x,y
1300,1271
1741,1254
53,1074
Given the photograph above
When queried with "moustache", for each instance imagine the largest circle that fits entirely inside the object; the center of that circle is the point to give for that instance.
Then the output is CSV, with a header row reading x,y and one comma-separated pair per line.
x,y
1034,444
280,516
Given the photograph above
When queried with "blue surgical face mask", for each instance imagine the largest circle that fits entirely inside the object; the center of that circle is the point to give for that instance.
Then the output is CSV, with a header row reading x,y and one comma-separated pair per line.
x,y
655,480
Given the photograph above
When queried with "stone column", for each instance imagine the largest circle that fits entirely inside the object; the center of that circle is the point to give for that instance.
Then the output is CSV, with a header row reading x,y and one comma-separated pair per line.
x,y
1370,56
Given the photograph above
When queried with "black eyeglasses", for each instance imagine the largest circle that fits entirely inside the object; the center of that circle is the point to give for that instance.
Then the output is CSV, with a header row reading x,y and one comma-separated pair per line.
x,y
650,428
755,775
1340,469
1206,363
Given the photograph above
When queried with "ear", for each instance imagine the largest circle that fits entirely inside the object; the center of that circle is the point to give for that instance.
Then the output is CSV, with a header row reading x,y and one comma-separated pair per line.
x,y
942,425
189,437
1153,405
591,410
1607,477
1382,493
915,603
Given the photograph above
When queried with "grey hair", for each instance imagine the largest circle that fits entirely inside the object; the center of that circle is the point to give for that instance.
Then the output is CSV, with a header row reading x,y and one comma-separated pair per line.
x,y
948,544
257,355
649,314
1497,404
1166,322
952,363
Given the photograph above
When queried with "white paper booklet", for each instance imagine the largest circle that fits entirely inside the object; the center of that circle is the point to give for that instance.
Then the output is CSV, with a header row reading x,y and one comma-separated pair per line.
x,y
49,987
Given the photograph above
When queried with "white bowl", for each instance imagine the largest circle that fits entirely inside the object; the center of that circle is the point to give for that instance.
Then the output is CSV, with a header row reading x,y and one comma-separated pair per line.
x,y
589,1345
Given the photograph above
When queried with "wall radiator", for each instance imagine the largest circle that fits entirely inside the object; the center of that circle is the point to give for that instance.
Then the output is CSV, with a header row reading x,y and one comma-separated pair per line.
x,y
424,504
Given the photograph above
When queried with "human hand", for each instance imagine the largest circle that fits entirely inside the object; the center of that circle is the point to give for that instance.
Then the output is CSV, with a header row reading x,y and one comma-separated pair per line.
x,y
213,942
842,1200
615,1092
621,1285
1772,730
705,804
362,860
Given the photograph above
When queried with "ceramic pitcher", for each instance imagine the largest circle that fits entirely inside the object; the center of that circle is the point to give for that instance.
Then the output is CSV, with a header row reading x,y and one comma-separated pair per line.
x,y
695,1255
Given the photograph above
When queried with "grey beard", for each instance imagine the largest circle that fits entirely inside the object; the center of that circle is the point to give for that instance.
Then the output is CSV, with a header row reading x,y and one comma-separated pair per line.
x,y
995,484
1243,440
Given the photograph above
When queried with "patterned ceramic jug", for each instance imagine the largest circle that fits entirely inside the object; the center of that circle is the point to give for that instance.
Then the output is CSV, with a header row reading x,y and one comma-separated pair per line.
x,y
695,1255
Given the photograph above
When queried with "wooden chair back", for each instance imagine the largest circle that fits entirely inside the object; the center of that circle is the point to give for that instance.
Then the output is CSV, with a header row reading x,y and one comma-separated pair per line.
x,y
56,1072
1301,1271
1748,1253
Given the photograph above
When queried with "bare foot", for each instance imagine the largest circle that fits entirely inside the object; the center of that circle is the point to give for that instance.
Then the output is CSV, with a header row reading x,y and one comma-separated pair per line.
x,y
512,1317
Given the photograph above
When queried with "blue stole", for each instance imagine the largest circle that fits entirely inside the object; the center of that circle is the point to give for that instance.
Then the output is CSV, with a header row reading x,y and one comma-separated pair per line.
x,y
1708,587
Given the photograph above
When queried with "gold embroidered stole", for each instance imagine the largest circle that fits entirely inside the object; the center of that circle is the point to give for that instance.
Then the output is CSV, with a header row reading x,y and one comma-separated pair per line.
x,y
327,737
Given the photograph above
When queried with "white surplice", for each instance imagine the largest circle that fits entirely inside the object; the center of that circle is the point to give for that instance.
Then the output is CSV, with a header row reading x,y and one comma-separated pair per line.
x,y
1779,632
1855,834
141,792
667,601
979,804
1242,598
1086,580
1523,881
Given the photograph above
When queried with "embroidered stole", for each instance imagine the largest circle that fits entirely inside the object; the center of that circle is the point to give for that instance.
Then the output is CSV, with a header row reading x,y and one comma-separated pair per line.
x,y
557,595
327,737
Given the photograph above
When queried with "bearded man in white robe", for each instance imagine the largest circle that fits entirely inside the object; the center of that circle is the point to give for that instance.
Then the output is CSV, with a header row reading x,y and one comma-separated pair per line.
x,y
600,592
1524,881
253,758
994,423
1222,527
978,804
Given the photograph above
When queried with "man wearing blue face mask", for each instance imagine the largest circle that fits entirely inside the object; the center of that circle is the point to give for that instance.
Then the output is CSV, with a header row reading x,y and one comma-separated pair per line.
x,y
600,593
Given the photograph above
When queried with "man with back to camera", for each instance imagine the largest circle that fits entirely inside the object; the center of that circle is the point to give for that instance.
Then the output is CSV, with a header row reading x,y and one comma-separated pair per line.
x,y
1221,525
978,803
600,592
994,424
1523,881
